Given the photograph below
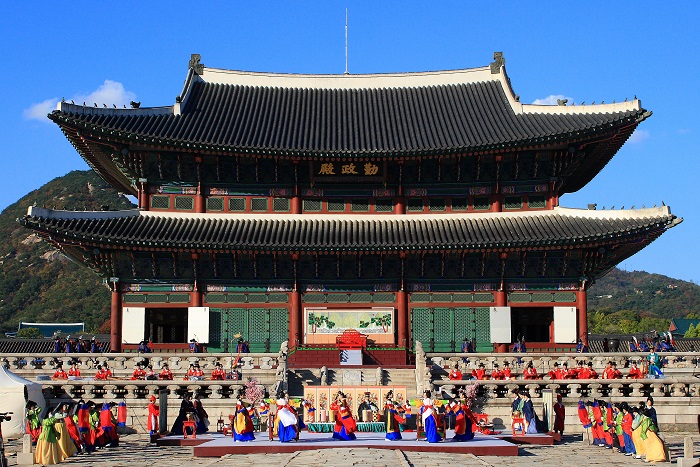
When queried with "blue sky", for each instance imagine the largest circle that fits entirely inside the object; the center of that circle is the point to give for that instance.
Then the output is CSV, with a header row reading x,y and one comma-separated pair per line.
x,y
586,51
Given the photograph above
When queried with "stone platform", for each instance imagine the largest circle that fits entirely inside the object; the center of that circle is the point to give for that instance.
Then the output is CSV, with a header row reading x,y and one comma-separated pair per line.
x,y
217,445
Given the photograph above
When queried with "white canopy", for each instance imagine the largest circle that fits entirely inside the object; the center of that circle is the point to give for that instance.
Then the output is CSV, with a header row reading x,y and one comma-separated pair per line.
x,y
15,391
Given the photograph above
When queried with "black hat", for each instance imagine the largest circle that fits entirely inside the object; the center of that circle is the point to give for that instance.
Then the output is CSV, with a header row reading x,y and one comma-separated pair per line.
x,y
506,363
556,363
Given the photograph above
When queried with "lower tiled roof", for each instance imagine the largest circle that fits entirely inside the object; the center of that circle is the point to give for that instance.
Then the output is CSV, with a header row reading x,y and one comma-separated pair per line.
x,y
285,232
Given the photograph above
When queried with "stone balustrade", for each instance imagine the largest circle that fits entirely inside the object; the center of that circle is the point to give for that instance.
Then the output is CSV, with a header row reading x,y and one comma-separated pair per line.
x,y
678,363
122,364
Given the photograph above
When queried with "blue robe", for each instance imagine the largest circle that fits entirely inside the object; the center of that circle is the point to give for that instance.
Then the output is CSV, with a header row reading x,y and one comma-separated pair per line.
x,y
468,434
430,427
243,418
530,416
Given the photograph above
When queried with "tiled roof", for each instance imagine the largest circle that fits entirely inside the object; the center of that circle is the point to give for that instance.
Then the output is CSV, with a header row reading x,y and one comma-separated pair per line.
x,y
362,232
407,114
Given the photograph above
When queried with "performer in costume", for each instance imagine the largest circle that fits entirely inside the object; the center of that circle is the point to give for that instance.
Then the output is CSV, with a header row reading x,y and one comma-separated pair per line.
x,y
464,421
242,423
584,417
82,420
73,429
635,372
430,420
285,422
65,444
529,414
153,413
74,371
617,425
345,426
264,412
165,373
108,427
48,451
392,421
202,415
627,419
653,446
636,433
186,407
366,404
33,426
530,372
597,428
559,413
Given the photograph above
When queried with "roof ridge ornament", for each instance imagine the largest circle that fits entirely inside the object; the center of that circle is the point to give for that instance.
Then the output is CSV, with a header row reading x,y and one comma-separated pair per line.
x,y
498,62
194,64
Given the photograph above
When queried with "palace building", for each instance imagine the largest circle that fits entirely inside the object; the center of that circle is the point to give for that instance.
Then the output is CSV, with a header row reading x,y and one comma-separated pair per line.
x,y
409,207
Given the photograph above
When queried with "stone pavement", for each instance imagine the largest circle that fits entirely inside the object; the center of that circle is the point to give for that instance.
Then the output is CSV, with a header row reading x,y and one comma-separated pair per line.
x,y
135,451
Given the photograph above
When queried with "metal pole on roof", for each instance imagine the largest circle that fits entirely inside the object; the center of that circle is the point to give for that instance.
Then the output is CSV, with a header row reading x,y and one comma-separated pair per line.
x,y
346,42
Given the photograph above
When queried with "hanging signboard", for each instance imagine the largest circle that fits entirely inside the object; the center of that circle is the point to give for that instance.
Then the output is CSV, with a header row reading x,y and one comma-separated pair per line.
x,y
347,171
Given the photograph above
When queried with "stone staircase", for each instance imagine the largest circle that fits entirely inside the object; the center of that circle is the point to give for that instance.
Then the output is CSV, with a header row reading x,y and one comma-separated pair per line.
x,y
338,376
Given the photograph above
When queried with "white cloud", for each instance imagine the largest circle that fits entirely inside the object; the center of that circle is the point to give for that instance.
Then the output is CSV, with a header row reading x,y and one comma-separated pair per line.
x,y
552,100
40,110
638,136
109,93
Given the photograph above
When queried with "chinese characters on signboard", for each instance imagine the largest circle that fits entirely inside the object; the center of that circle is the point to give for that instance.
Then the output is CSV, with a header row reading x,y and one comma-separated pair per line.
x,y
346,170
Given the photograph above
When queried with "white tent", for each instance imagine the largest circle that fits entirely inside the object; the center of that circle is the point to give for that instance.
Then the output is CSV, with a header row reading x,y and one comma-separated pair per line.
x,y
14,393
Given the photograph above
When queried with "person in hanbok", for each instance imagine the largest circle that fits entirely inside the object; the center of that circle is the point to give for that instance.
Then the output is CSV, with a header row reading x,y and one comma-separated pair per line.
x,y
464,421
242,423
393,421
285,422
186,407
202,415
653,446
47,450
430,421
85,429
559,415
529,414
73,428
639,447
64,441
153,414
33,425
108,427
345,426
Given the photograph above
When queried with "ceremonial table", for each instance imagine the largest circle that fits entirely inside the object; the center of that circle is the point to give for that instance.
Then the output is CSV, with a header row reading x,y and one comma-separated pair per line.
x,y
374,427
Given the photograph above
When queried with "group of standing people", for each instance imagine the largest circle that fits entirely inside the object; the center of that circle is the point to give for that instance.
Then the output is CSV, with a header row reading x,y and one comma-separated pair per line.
x,y
631,430
76,345
70,429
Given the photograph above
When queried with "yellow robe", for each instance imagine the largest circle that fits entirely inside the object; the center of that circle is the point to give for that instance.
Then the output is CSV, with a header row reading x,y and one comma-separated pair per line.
x,y
65,443
639,445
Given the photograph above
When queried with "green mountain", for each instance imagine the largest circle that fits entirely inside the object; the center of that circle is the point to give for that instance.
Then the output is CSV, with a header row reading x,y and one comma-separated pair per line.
x,y
631,302
37,283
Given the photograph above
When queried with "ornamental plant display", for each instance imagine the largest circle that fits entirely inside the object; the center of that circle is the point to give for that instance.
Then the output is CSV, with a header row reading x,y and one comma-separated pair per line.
x,y
318,321
253,391
380,320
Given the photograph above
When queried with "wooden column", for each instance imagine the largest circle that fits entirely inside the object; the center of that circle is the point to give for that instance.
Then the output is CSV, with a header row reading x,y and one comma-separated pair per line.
x,y
582,308
402,318
116,319
295,334
196,297
497,204
199,200
501,299
143,194
400,207
296,204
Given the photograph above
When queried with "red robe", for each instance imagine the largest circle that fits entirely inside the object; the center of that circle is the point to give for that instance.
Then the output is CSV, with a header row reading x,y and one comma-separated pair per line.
x,y
529,373
559,412
72,431
153,413
343,418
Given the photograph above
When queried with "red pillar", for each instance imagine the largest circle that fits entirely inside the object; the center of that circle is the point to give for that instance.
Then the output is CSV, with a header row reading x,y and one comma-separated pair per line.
x,y
402,318
295,334
116,320
296,204
501,299
496,204
196,297
400,207
582,306
143,195
199,200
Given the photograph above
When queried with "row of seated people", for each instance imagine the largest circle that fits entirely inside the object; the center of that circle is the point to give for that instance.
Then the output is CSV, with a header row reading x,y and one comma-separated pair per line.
x,y
559,372
146,372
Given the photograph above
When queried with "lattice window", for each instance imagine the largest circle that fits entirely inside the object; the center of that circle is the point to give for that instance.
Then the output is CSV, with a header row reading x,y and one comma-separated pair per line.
x,y
236,298
258,329
463,326
441,297
483,297
418,297
278,328
314,298
216,329
157,298
179,298
437,204
443,330
384,205
134,298
482,204
336,205
281,204
415,205
513,202
215,298
564,297
184,203
257,298
384,298
278,298
312,205
462,297
422,326
337,298
519,297
460,204
236,204
545,297
215,204
160,202
483,330
359,205
258,204
536,202
360,298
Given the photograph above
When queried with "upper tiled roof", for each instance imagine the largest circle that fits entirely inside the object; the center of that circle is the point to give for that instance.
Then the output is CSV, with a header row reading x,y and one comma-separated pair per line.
x,y
289,232
400,114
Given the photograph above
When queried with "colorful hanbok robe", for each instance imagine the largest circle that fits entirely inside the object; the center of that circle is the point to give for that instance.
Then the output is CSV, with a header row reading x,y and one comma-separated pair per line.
x,y
242,424
345,426
430,421
393,422
285,422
